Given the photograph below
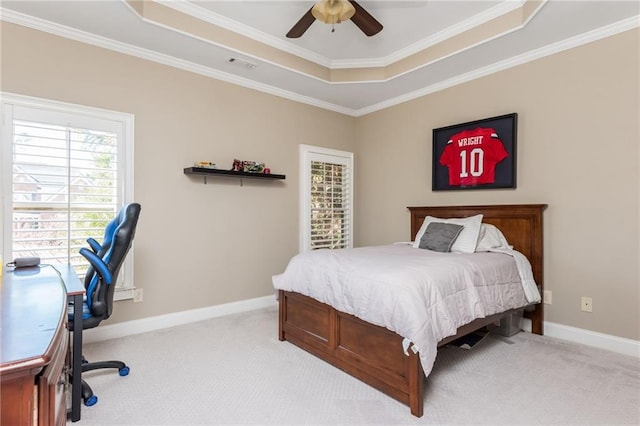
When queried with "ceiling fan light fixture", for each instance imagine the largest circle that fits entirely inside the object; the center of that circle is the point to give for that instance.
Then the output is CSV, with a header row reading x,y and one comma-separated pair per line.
x,y
333,11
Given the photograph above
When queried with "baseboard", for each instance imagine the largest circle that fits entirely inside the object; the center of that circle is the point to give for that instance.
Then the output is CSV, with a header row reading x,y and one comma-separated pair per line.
x,y
608,342
128,328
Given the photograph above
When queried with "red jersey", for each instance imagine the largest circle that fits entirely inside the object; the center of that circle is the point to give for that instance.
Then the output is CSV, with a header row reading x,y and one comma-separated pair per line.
x,y
472,156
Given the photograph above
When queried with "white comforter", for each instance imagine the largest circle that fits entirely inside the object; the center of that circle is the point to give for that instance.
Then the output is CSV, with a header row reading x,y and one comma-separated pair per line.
x,y
422,295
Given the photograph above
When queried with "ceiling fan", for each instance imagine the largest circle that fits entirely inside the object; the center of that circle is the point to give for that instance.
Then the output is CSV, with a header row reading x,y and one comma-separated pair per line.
x,y
333,12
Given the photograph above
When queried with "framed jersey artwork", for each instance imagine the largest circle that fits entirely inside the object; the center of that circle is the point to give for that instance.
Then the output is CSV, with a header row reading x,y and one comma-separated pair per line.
x,y
475,155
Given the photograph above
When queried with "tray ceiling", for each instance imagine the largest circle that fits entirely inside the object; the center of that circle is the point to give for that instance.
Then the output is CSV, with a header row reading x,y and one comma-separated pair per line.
x,y
425,46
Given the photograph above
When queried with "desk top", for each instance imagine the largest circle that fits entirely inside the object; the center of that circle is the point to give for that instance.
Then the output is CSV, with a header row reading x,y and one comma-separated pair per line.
x,y
70,280
33,308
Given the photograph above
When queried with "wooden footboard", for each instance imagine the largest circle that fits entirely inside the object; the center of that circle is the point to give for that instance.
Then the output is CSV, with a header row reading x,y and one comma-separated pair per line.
x,y
368,352
371,353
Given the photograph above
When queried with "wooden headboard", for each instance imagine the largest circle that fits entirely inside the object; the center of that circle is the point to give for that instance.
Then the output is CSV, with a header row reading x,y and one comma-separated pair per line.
x,y
521,224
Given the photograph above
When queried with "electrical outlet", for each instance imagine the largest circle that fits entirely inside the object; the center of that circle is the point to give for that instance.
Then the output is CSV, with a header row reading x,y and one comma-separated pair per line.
x,y
137,295
586,304
547,298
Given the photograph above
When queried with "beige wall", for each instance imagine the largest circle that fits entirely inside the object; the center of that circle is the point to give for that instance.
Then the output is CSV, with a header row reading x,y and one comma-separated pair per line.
x,y
200,245
196,245
577,150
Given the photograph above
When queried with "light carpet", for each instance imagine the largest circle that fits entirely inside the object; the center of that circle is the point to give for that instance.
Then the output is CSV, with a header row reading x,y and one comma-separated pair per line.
x,y
234,370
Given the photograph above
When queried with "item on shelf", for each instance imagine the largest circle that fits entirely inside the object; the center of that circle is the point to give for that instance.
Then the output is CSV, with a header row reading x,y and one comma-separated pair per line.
x,y
205,164
266,171
247,166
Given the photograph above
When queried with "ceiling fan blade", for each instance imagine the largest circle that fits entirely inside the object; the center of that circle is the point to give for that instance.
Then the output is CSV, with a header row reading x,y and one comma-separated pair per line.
x,y
363,20
302,25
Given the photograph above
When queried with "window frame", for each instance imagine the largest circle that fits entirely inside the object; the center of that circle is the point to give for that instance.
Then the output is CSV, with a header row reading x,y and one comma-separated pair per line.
x,y
79,114
309,153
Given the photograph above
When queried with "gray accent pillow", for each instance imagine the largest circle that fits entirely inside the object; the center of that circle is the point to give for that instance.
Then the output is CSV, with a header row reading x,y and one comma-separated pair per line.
x,y
440,236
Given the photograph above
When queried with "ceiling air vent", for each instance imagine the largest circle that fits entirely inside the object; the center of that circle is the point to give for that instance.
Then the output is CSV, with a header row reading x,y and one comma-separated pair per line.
x,y
242,63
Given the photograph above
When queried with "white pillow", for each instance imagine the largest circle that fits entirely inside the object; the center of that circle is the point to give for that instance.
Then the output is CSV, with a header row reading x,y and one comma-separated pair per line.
x,y
468,237
491,237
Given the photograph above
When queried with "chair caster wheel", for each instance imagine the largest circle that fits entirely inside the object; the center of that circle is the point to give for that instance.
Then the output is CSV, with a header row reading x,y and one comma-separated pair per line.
x,y
124,371
92,400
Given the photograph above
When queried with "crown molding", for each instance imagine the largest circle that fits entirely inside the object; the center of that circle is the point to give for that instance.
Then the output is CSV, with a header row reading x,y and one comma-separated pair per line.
x,y
103,42
456,52
459,28
373,70
206,15
187,7
467,25
591,36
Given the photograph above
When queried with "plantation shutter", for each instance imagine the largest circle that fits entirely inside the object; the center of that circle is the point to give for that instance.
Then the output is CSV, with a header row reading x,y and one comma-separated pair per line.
x,y
66,183
328,199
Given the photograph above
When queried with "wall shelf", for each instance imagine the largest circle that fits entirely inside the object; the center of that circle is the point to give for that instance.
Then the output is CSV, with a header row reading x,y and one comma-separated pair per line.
x,y
205,172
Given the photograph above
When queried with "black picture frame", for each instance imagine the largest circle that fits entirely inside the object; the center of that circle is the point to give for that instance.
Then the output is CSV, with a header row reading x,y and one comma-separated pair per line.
x,y
504,176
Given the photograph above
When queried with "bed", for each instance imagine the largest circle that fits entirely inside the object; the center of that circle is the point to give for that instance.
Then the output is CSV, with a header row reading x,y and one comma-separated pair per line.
x,y
383,358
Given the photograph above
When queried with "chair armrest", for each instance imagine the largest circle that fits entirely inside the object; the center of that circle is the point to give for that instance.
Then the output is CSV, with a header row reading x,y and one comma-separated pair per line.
x,y
97,263
95,246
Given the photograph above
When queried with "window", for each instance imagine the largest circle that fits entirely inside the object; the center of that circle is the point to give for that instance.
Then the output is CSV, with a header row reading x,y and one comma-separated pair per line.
x,y
66,170
326,198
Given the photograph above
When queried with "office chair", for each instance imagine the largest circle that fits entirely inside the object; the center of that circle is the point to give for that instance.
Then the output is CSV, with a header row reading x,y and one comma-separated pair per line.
x,y
100,282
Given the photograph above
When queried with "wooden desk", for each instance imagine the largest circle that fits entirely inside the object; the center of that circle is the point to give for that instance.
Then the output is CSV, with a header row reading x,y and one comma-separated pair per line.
x,y
35,347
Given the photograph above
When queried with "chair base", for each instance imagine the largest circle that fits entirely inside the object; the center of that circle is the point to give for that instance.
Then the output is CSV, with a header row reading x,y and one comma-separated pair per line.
x,y
103,364
87,393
